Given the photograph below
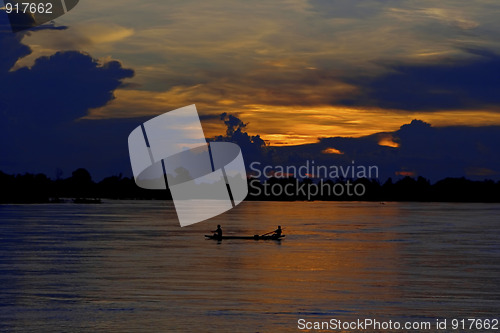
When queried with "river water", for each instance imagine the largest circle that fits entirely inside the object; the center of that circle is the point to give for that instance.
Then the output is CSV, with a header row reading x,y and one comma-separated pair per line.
x,y
127,266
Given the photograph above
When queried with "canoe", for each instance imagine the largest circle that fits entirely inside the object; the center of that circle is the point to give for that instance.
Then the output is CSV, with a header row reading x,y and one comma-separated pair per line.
x,y
255,237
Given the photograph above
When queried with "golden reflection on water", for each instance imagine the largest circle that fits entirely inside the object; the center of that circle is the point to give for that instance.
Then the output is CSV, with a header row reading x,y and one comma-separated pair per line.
x,y
327,259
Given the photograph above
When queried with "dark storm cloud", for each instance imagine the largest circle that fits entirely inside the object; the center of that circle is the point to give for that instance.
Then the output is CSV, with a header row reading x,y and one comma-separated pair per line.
x,y
432,152
62,87
451,84
40,107
11,48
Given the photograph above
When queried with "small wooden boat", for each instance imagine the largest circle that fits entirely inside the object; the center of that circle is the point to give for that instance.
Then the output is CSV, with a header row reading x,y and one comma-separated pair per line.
x,y
254,237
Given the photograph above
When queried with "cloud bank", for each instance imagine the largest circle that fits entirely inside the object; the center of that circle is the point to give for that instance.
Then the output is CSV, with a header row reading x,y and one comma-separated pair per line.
x,y
41,109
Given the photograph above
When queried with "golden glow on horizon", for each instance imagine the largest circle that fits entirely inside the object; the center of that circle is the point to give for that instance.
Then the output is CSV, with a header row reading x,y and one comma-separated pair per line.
x,y
284,125
328,121
332,151
388,141
405,173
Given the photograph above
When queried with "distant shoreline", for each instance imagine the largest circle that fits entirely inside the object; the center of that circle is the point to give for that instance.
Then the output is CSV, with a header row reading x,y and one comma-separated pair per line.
x,y
107,200
38,188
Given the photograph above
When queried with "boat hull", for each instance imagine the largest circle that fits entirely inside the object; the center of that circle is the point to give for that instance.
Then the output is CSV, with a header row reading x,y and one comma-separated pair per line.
x,y
255,237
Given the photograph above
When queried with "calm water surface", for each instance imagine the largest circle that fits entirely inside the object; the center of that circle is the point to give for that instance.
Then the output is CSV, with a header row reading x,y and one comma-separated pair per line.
x,y
129,267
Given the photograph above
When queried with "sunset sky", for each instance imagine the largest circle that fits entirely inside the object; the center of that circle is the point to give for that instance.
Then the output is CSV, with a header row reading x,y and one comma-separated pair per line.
x,y
295,70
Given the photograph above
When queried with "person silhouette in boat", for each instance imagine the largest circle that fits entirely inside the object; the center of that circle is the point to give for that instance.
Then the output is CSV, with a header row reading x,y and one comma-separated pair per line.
x,y
218,232
278,232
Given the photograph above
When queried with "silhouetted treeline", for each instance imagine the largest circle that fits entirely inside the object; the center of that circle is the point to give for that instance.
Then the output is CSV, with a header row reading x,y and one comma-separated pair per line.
x,y
30,188
38,188
406,189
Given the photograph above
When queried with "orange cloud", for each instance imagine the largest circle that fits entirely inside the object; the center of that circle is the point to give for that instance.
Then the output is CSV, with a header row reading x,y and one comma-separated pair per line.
x,y
388,141
405,173
282,125
332,151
